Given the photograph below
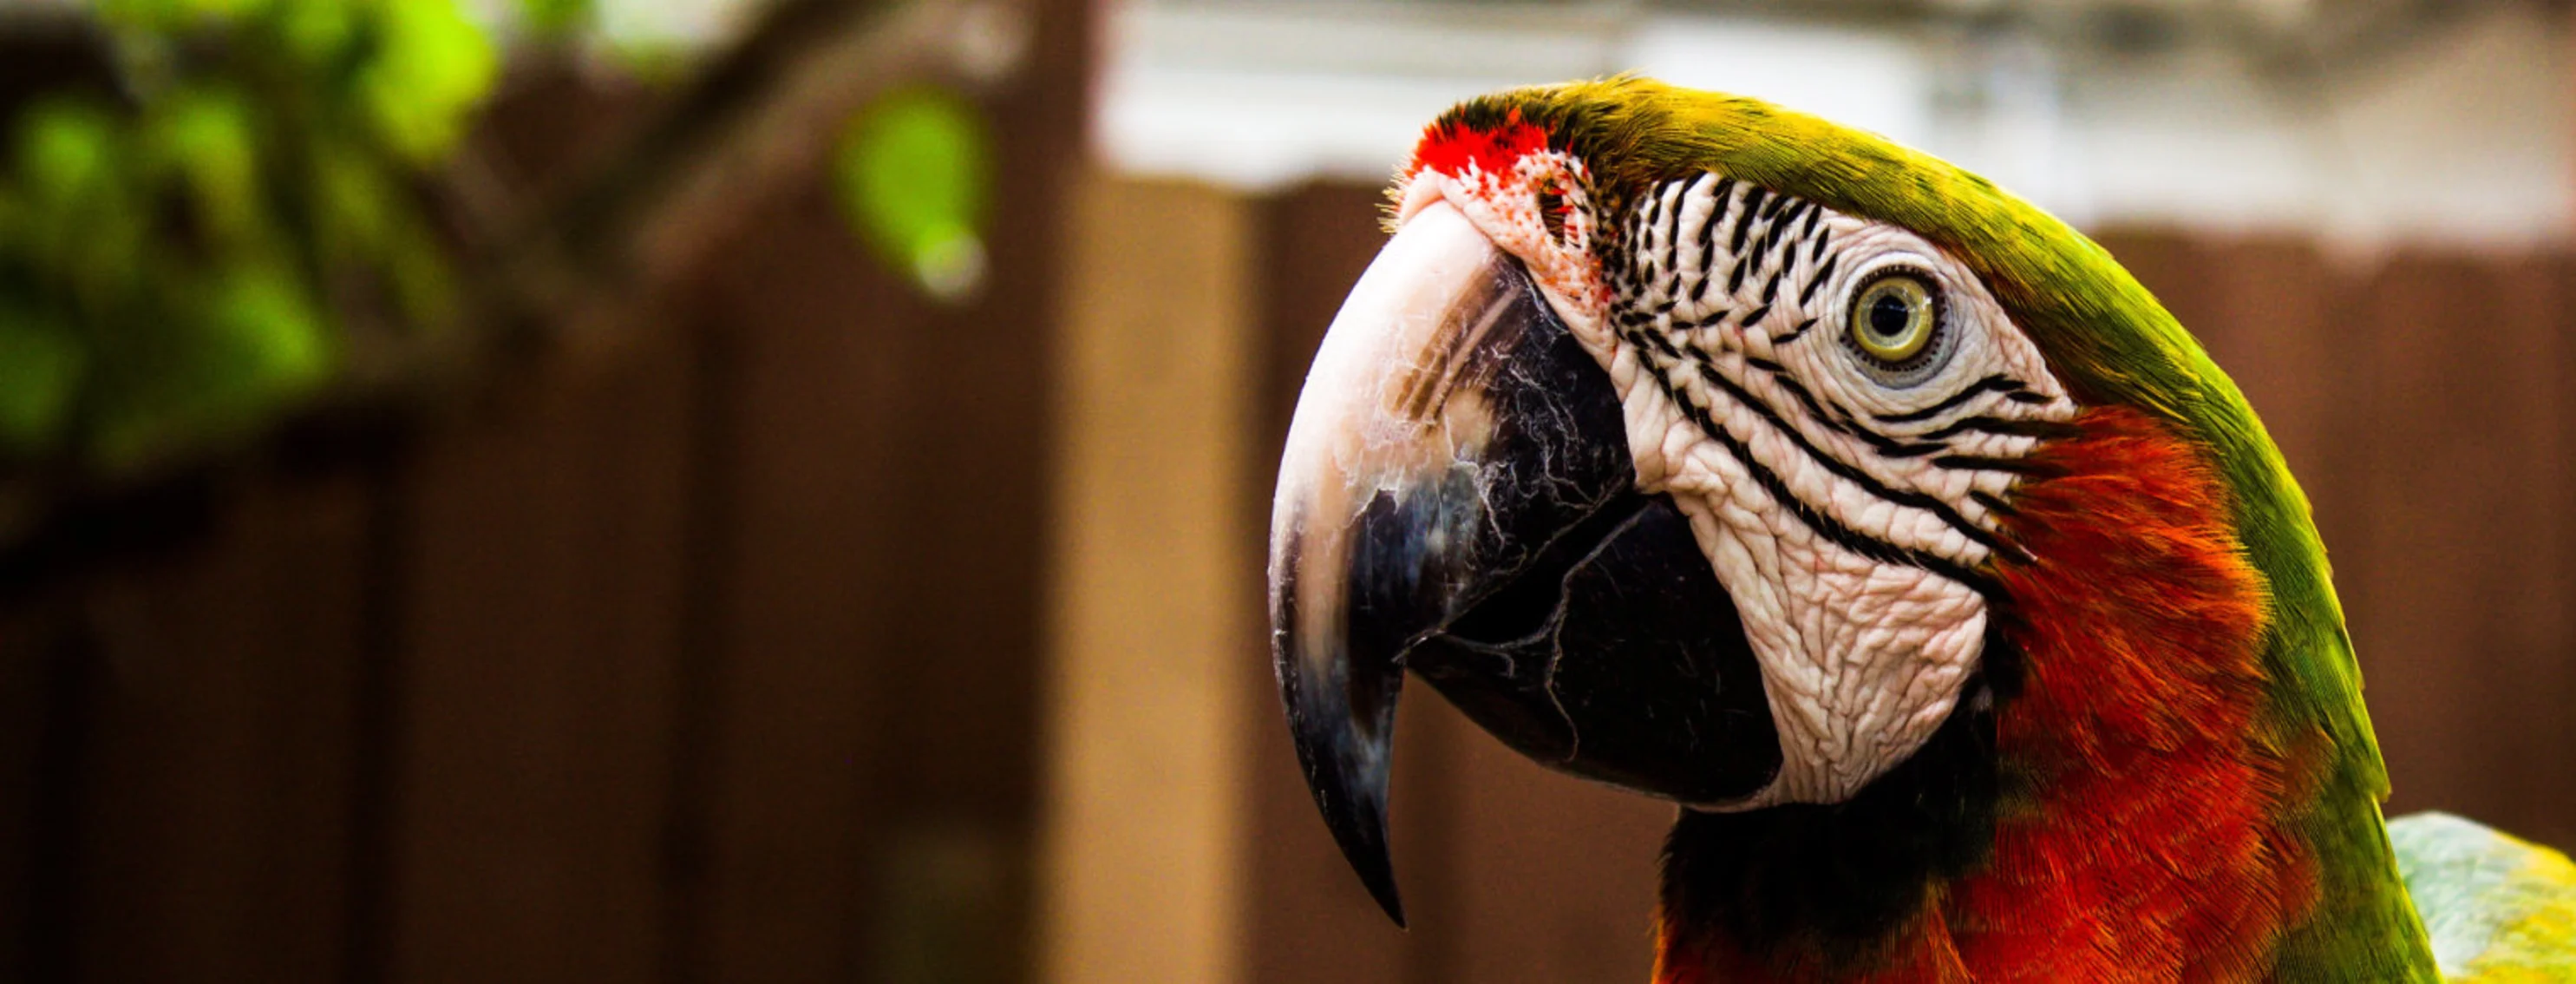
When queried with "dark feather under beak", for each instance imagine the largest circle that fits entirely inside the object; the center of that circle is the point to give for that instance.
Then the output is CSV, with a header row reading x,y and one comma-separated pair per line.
x,y
1457,499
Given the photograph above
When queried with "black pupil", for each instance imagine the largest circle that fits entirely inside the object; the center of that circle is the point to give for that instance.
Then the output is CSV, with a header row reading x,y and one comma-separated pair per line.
x,y
1888,316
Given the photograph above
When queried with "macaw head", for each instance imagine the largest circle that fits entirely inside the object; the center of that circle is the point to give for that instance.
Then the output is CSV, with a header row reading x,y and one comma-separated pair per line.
x,y
1736,458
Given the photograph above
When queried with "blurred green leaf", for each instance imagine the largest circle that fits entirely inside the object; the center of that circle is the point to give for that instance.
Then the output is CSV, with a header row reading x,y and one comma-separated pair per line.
x,y
256,344
64,148
315,32
181,264
431,66
81,224
13,222
171,14
207,138
558,17
357,201
268,336
39,375
915,175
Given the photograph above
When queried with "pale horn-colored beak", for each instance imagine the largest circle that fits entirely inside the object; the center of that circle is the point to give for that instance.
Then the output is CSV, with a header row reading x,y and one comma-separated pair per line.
x,y
1457,500
1393,412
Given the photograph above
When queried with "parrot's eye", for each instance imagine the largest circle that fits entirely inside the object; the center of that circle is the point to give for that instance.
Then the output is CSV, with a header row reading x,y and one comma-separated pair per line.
x,y
1896,327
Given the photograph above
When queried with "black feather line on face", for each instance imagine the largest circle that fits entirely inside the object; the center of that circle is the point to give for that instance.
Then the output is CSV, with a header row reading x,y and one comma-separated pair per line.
x,y
1814,519
1886,446
1744,219
1700,273
1772,210
1991,384
1774,237
2009,466
1822,274
2006,426
1789,219
1708,230
1635,238
1668,233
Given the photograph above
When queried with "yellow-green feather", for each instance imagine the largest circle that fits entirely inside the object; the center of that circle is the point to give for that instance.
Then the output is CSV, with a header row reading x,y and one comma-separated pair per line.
x,y
2499,910
2113,344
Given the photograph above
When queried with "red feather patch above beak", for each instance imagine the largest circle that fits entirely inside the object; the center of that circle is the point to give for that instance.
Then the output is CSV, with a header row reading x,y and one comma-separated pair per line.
x,y
1454,148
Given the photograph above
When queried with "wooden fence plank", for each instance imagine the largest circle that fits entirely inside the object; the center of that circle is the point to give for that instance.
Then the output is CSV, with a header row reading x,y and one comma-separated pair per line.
x,y
953,888
872,763
2460,613
871,769
1142,874
543,629
216,808
2533,571
1554,878
43,717
25,650
814,349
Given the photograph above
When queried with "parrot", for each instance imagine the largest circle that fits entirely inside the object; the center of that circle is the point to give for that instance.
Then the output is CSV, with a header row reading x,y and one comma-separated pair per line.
x,y
1883,524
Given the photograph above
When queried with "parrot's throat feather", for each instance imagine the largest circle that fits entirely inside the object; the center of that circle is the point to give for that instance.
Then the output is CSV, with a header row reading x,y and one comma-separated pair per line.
x,y
2132,823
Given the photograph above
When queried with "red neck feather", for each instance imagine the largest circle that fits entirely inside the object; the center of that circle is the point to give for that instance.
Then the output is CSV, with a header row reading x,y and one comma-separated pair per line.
x,y
2140,835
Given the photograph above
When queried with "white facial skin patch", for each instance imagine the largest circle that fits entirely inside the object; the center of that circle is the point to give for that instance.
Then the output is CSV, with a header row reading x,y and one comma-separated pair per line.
x,y
1840,408
1845,499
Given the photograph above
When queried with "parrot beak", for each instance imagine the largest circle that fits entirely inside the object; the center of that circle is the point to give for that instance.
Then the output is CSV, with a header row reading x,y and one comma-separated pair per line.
x,y
1457,499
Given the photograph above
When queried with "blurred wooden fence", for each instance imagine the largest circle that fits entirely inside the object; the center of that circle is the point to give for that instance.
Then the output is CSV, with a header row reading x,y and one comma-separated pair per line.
x,y
714,660
730,661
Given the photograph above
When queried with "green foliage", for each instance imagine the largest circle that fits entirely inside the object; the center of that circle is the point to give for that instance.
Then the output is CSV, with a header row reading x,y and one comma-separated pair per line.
x,y
915,175
428,67
178,267
554,18
40,365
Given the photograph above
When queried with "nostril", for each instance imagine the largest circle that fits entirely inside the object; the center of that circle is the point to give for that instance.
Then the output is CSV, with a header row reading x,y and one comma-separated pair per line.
x,y
1551,213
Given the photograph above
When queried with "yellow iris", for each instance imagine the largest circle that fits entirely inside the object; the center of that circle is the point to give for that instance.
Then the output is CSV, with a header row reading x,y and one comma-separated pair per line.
x,y
1894,318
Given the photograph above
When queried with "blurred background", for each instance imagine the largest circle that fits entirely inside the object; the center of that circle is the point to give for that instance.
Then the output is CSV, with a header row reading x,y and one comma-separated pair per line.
x,y
722,490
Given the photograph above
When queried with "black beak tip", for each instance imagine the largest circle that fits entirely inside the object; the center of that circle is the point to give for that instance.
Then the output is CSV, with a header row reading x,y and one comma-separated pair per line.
x,y
1369,857
1350,790
1341,714
1384,891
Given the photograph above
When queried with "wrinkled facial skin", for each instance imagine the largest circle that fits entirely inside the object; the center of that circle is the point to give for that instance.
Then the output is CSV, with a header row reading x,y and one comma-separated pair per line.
x,y
1847,502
